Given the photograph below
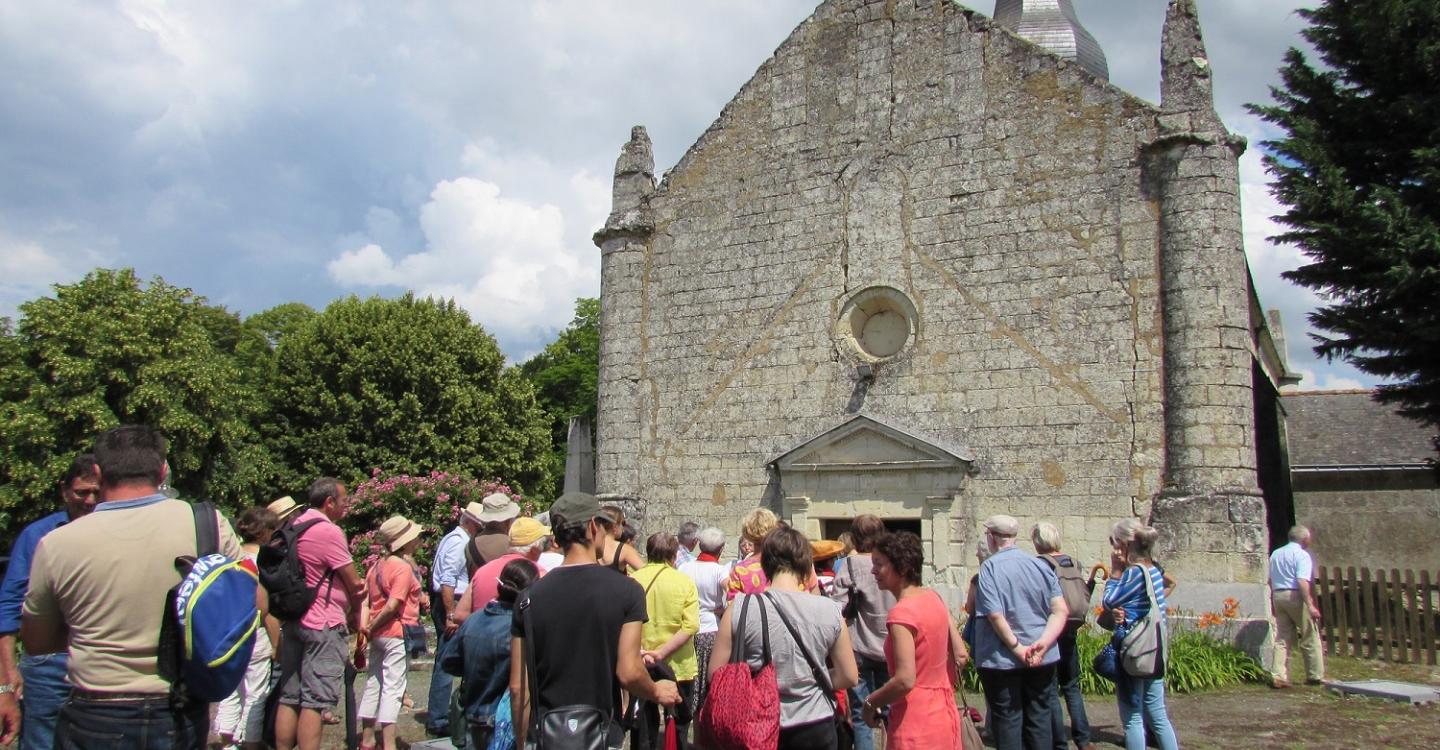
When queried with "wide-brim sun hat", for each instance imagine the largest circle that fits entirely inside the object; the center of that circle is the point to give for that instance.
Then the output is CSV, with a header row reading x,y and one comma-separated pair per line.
x,y
824,549
398,531
497,507
284,507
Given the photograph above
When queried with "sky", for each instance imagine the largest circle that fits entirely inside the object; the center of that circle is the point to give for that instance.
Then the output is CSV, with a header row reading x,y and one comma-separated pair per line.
x,y
278,150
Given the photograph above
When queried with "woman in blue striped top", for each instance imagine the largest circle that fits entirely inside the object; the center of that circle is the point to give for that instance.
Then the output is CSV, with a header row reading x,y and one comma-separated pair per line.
x,y
1142,701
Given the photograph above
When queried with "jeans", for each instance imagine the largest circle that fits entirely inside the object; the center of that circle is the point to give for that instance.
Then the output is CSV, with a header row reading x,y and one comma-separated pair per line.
x,y
45,692
1142,704
873,674
1019,701
136,725
438,705
1067,684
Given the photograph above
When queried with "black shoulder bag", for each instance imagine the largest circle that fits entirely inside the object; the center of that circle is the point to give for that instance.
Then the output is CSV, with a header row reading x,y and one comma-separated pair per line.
x,y
577,727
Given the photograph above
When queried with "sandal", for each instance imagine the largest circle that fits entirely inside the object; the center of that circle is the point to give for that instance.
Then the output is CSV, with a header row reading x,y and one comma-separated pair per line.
x,y
328,717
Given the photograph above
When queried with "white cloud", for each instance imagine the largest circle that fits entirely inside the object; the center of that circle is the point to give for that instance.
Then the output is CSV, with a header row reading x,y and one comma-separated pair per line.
x,y
515,265
28,269
1312,380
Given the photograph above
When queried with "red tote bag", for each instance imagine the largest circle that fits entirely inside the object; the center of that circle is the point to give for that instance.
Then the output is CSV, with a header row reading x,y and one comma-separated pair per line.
x,y
742,709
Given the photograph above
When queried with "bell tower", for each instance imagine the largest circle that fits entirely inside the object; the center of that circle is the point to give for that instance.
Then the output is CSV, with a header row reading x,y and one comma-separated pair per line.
x,y
1053,25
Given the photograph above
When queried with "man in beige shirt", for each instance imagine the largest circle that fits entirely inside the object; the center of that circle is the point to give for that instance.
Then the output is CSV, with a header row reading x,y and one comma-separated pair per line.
x,y
98,587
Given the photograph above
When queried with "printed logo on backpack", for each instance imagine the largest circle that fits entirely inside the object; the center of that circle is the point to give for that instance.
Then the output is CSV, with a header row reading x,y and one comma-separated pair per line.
x,y
215,607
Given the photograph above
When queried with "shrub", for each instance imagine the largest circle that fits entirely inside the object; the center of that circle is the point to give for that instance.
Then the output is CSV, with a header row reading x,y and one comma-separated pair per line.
x,y
433,501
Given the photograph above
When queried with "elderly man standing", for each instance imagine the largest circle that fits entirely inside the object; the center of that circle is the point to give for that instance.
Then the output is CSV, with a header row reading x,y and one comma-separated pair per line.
x,y
528,539
1022,614
1292,595
41,675
448,580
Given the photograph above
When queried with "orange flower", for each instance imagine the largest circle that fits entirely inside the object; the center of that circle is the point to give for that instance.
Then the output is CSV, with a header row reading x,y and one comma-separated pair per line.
x,y
1231,608
1209,619
1099,611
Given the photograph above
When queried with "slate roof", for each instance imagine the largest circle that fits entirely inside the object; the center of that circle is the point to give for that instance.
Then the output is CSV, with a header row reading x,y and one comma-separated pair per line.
x,y
1349,428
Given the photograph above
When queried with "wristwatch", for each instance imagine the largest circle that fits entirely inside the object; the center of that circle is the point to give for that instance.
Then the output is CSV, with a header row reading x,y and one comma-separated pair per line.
x,y
6,688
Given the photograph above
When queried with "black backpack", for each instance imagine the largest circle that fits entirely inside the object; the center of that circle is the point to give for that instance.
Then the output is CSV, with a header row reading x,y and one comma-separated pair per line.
x,y
283,576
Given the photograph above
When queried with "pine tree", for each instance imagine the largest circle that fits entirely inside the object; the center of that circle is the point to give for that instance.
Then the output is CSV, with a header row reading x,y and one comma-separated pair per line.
x,y
1359,169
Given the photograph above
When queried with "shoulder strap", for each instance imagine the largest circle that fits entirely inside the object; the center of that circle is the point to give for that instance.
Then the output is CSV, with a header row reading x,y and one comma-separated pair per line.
x,y
737,649
651,585
1055,566
822,676
1154,612
207,529
530,669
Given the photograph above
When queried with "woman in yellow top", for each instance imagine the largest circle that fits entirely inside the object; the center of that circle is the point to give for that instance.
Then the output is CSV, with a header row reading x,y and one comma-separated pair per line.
x,y
673,605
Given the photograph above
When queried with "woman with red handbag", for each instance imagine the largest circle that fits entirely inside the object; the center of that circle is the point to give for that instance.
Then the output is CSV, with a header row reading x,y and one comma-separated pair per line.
x,y
801,631
924,652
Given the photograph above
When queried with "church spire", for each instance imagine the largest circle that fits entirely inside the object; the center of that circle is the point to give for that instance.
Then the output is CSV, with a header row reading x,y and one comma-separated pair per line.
x,y
1053,25
1187,97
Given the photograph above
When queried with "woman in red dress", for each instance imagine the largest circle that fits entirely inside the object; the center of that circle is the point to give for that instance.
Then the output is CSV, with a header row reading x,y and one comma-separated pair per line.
x,y
924,653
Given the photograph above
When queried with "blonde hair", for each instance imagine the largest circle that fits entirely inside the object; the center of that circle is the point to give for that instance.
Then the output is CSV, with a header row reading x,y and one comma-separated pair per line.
x,y
1137,538
758,523
1045,537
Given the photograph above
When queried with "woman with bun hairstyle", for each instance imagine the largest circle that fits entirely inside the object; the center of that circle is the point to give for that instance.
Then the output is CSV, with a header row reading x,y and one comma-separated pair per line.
x,y
619,553
1141,700
480,653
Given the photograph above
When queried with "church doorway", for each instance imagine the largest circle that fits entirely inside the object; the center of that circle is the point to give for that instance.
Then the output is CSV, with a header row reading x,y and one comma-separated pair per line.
x,y
832,528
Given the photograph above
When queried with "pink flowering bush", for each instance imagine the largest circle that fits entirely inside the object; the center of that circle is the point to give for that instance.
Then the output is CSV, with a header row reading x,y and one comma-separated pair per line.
x,y
433,501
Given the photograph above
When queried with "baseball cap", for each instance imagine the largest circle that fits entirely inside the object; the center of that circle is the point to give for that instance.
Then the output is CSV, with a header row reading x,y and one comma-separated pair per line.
x,y
576,507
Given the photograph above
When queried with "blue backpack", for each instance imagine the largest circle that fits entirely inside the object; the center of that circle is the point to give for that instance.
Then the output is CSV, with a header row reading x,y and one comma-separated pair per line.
x,y
208,632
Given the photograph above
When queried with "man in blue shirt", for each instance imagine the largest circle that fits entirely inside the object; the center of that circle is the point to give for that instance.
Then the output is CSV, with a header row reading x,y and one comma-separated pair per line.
x,y
1022,614
42,677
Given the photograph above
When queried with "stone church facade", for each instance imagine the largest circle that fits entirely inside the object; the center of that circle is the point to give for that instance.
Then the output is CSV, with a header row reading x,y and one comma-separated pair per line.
x,y
922,267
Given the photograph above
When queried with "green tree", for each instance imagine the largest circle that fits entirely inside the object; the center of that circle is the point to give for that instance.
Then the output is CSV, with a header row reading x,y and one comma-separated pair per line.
x,y
1359,169
110,350
566,373
408,386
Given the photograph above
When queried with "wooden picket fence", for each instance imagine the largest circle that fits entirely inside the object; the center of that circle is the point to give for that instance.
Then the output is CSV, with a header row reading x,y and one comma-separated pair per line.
x,y
1392,615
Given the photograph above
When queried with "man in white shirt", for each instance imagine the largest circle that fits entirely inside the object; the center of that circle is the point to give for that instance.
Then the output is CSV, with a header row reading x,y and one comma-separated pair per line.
x,y
448,580
1292,596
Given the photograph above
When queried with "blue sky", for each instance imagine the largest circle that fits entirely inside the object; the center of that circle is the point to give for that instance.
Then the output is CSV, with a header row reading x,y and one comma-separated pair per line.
x,y
266,152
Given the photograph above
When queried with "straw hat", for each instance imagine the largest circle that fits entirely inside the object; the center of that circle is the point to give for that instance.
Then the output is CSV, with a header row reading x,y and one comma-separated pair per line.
x,y
284,507
398,531
824,549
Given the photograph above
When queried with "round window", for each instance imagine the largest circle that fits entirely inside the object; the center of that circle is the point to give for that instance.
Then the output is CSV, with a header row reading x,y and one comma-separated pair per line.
x,y
877,323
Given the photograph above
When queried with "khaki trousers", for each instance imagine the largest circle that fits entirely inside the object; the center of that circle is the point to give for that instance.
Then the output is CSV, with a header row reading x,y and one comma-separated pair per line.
x,y
1293,623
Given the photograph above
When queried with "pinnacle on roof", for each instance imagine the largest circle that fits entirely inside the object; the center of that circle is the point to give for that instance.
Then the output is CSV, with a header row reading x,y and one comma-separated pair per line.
x,y
1052,25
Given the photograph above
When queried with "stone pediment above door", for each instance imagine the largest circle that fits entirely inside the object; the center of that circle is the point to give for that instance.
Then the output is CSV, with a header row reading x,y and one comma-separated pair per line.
x,y
865,443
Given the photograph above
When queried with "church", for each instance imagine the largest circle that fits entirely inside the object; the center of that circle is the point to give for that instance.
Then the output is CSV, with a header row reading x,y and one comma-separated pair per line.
x,y
934,266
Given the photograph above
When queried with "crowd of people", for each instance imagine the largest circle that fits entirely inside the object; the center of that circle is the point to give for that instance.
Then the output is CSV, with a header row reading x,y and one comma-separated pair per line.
x,y
560,618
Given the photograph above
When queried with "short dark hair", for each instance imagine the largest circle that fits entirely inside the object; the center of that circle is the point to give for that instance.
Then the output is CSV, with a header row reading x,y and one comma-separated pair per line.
x,y
256,524
568,534
785,549
905,554
628,534
864,530
130,453
661,547
83,465
515,577
322,489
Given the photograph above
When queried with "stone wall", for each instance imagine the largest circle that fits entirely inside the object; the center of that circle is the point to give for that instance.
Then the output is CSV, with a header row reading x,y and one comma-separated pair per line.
x,y
915,146
1380,523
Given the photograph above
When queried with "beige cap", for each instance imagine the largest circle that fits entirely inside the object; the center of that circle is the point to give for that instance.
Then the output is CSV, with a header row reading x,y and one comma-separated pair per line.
x,y
1002,525
497,507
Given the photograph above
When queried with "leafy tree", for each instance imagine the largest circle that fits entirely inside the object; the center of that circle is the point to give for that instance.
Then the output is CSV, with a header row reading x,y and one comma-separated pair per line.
x,y
1359,169
566,374
110,350
409,386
